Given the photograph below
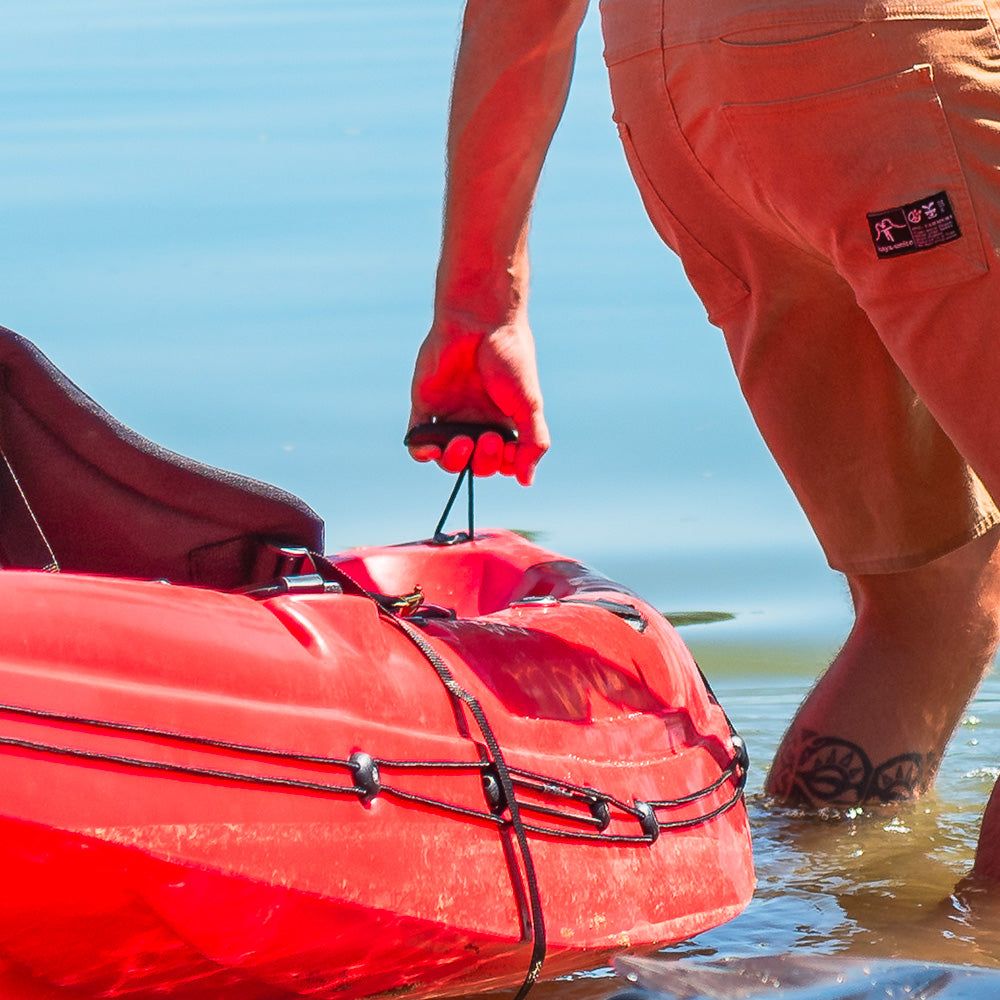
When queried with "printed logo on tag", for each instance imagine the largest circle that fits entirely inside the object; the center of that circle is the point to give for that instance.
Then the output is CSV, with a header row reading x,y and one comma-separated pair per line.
x,y
920,225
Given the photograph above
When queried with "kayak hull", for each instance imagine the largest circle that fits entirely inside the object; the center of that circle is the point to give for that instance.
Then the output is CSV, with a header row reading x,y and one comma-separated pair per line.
x,y
244,795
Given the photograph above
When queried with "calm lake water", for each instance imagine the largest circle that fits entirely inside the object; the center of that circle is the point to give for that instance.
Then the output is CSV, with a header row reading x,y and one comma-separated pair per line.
x,y
221,217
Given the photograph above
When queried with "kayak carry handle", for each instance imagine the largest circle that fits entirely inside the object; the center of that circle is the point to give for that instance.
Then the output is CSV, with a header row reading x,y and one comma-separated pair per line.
x,y
440,432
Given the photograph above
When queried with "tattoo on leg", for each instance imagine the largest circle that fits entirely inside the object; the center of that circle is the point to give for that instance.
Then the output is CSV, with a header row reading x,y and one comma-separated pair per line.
x,y
898,779
817,770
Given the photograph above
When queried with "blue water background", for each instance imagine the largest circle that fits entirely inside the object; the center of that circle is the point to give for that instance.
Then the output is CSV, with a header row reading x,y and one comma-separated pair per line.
x,y
221,219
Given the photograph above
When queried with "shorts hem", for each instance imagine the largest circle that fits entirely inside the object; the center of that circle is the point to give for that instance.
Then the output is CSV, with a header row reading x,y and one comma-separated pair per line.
x,y
914,560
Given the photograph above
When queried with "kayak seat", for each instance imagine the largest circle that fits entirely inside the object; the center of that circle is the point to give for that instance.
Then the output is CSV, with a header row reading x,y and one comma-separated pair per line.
x,y
80,492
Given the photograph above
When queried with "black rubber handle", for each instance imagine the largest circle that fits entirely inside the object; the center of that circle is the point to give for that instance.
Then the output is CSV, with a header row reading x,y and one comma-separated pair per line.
x,y
443,431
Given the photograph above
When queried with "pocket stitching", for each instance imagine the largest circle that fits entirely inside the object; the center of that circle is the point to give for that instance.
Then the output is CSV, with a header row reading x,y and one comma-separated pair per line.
x,y
845,27
738,288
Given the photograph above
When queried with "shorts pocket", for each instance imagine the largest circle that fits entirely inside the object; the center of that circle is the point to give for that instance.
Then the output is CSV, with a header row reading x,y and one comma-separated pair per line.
x,y
787,33
829,168
718,287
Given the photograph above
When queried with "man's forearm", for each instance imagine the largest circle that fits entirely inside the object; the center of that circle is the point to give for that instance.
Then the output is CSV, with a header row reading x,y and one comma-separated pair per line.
x,y
511,80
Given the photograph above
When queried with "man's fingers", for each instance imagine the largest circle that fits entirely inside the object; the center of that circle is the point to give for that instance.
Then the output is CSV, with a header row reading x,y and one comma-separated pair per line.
x,y
456,454
421,452
532,444
425,453
488,456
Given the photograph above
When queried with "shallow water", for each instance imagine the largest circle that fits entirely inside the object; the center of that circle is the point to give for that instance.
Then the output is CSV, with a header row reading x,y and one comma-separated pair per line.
x,y
221,220
876,884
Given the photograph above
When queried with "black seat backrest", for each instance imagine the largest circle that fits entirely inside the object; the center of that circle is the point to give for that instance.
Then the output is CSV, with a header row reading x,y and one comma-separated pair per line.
x,y
79,488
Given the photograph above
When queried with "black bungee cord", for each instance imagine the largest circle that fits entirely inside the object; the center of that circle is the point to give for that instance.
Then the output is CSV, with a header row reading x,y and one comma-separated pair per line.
x,y
536,924
440,537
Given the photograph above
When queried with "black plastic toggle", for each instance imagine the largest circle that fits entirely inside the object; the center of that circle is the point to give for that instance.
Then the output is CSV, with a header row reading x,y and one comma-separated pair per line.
x,y
741,752
647,820
366,777
493,791
600,811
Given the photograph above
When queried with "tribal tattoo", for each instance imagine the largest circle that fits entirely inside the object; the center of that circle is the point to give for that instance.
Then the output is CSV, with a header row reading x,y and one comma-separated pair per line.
x,y
825,770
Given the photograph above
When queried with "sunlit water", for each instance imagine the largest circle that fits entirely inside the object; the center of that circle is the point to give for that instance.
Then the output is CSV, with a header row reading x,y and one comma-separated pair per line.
x,y
220,217
878,884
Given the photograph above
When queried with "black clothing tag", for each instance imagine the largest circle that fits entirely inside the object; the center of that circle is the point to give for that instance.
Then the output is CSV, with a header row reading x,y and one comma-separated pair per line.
x,y
920,225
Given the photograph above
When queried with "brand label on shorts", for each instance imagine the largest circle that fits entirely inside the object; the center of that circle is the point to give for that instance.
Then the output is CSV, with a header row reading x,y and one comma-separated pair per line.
x,y
920,225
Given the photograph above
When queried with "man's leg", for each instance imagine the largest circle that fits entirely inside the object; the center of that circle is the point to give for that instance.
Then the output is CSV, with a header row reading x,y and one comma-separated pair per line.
x,y
986,872
875,726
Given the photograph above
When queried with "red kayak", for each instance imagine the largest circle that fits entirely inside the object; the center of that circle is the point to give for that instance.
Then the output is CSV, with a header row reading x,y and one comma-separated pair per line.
x,y
235,768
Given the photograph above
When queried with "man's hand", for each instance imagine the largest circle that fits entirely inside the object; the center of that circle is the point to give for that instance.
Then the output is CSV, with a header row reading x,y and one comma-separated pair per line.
x,y
488,377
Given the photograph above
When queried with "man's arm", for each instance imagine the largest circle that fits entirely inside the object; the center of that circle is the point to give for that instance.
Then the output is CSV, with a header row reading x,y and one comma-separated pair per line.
x,y
477,363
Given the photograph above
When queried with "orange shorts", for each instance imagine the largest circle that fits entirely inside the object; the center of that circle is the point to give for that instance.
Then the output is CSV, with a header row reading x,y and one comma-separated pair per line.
x,y
829,178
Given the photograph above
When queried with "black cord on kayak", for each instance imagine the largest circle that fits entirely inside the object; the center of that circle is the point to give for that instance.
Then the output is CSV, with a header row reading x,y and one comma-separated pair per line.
x,y
536,924
440,537
560,791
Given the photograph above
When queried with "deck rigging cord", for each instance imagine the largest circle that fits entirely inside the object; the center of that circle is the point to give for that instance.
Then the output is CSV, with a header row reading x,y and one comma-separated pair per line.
x,y
590,800
536,925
